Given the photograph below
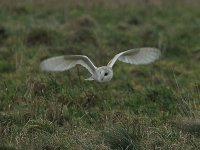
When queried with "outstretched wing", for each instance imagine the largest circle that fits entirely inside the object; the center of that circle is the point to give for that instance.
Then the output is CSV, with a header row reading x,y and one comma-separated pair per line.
x,y
62,63
137,56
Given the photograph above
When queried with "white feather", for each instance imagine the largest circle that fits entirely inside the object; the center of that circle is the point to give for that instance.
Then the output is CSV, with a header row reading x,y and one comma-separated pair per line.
x,y
137,56
62,63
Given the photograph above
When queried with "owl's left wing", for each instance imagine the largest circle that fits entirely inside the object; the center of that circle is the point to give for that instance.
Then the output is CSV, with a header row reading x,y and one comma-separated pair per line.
x,y
137,56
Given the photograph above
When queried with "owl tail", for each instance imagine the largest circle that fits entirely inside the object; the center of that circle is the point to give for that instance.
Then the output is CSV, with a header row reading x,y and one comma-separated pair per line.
x,y
90,78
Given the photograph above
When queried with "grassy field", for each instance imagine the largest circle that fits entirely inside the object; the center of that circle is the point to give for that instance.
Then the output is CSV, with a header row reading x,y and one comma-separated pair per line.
x,y
154,106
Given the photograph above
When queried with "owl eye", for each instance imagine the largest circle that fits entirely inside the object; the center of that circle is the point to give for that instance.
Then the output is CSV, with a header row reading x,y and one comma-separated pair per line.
x,y
106,74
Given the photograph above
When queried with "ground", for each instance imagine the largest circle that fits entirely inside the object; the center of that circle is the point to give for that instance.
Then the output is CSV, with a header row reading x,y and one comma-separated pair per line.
x,y
152,106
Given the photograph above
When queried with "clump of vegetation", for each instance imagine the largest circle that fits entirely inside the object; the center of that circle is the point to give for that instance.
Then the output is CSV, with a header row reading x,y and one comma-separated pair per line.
x,y
21,10
84,35
84,21
3,34
54,113
124,137
39,36
188,125
88,99
135,20
146,134
166,98
39,125
148,31
6,66
36,87
83,31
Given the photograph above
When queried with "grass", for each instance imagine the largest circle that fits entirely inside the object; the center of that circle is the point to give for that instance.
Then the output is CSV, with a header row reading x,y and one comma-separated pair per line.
x,y
152,106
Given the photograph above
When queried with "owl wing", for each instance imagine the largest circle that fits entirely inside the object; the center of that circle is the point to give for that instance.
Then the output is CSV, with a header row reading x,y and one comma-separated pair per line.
x,y
66,62
137,56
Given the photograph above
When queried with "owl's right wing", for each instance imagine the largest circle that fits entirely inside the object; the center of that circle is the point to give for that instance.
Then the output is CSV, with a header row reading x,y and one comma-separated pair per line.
x,y
66,62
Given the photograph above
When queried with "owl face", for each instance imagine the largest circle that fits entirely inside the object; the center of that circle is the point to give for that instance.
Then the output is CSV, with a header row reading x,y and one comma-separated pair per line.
x,y
104,74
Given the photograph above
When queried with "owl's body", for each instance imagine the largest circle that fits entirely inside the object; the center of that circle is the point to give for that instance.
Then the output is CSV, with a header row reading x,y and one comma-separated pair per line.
x,y
104,73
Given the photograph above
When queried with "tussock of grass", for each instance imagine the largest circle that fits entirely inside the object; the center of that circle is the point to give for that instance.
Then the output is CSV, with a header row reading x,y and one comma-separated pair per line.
x,y
134,20
123,138
20,9
36,87
39,125
39,36
84,35
3,34
188,125
145,134
82,31
88,100
85,21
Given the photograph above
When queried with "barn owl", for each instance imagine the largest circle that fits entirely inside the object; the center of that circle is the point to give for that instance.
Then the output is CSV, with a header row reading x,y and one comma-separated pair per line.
x,y
105,73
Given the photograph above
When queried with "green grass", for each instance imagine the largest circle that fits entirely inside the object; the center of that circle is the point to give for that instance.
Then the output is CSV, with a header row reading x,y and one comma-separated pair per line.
x,y
152,106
